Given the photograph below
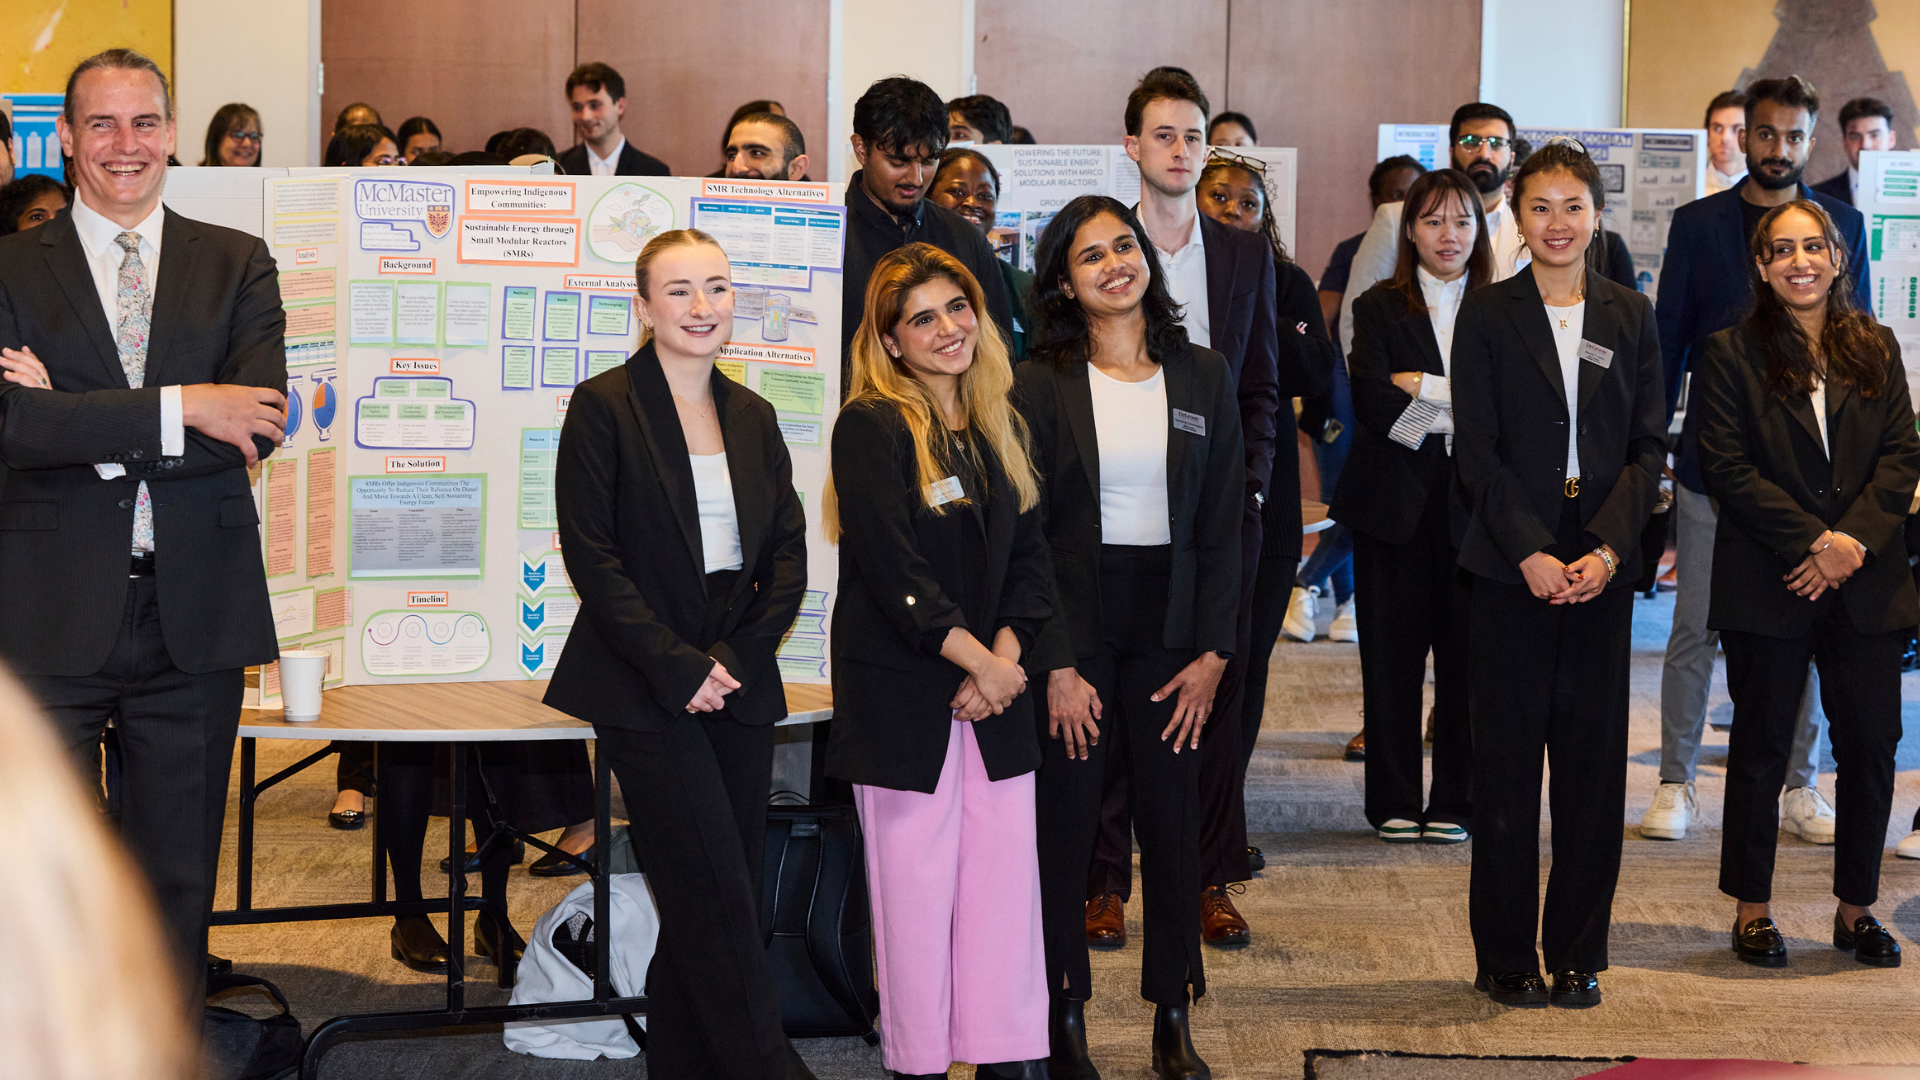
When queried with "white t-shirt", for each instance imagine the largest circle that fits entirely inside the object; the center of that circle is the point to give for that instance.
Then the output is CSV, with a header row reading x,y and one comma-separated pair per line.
x,y
1819,398
719,523
1130,421
1568,323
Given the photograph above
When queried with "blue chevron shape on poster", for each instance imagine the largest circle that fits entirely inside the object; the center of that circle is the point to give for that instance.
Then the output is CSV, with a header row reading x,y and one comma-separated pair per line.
x,y
532,657
533,616
532,574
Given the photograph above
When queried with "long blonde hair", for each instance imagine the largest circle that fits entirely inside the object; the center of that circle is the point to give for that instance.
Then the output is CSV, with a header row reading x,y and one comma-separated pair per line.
x,y
877,376
659,245
94,993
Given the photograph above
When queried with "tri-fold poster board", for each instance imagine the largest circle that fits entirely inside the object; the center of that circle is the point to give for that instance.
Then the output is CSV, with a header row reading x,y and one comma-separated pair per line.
x,y
438,321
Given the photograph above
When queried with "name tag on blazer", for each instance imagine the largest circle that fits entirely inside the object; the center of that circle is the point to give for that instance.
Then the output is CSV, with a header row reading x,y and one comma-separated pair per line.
x,y
1596,354
946,491
1192,423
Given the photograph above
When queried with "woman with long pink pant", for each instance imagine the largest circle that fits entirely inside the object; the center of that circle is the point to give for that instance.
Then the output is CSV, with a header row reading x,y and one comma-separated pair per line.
x,y
944,583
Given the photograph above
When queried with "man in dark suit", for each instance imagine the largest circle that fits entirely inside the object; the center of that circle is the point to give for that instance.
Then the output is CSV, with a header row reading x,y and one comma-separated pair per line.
x,y
1705,286
1866,124
1224,279
597,95
129,547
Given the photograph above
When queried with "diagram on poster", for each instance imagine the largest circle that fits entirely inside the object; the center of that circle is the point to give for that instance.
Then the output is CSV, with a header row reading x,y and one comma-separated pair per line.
x,y
424,643
624,218
413,414
1889,197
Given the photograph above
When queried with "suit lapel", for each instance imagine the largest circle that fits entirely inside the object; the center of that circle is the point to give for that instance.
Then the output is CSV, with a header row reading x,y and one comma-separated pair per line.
x,y
745,454
67,261
1076,404
1179,375
177,250
1425,343
1221,266
1841,405
660,423
1530,320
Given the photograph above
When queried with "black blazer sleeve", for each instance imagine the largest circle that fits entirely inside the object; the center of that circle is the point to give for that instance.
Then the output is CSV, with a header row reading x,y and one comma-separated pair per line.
x,y
1372,363
1216,525
1499,495
1306,355
1033,395
780,573
1026,598
1620,519
586,490
1261,390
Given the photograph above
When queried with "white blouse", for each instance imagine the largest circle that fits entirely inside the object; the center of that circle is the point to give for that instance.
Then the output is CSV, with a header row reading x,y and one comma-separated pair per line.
x,y
1130,421
1568,323
719,522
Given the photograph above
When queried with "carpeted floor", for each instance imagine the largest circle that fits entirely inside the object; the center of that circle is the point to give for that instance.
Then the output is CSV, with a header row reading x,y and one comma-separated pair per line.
x,y
1357,945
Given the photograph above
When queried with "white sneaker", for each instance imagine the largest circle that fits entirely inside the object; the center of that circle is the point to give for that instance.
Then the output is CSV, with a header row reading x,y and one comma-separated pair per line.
x,y
1909,846
1400,831
1671,813
1346,625
1303,611
1804,812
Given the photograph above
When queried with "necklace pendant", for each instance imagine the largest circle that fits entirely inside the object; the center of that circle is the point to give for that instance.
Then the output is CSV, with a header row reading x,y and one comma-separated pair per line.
x,y
1563,324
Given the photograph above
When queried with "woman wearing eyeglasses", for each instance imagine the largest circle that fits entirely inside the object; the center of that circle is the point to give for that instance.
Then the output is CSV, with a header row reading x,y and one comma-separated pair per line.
x,y
233,137
1559,416
362,146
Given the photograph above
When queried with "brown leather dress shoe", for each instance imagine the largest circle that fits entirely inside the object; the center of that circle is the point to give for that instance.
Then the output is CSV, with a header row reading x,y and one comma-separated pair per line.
x,y
1357,747
1220,924
1106,921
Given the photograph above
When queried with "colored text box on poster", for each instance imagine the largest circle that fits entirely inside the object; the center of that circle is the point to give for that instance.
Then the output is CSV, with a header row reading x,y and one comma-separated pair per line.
x,y
440,642
794,391
520,197
401,264
520,312
519,241
516,367
417,526
298,285
413,414
794,355
609,315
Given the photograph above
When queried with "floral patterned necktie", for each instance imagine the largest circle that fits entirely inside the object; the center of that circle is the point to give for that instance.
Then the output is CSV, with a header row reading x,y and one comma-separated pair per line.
x,y
135,302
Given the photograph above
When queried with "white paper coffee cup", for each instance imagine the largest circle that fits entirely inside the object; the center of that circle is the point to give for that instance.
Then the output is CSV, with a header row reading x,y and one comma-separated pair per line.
x,y
301,673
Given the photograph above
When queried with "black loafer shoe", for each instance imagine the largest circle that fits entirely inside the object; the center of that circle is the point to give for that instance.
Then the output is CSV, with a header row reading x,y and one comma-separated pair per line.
x,y
473,858
1174,1057
555,866
347,820
1520,989
1575,990
1868,941
418,945
1759,943
1256,859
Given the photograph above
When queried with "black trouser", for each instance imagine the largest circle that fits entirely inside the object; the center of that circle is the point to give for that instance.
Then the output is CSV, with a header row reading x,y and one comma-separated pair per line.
x,y
1272,589
406,798
1547,681
1860,690
1130,665
697,794
1412,599
354,769
176,732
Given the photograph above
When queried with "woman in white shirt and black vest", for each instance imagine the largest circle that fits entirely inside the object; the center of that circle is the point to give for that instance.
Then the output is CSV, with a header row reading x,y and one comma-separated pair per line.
x,y
1400,496
1560,437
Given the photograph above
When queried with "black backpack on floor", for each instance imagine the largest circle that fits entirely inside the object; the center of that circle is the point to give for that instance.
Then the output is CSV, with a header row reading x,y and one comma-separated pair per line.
x,y
815,920
241,1047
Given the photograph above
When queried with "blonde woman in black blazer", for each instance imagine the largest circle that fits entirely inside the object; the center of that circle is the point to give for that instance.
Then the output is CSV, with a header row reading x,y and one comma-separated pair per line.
x,y
687,543
1807,442
1146,567
1560,414
1399,495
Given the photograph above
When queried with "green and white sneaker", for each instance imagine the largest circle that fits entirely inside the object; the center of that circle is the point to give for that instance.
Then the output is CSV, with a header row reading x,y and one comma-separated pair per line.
x,y
1442,832
1400,831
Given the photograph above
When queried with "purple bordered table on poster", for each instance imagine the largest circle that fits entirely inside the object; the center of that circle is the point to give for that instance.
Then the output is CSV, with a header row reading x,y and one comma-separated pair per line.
x,y
462,715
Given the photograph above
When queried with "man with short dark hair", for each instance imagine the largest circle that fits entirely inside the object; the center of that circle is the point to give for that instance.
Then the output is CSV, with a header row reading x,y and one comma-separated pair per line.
x,y
6,150
899,129
1726,122
1706,283
766,146
978,119
597,96
1866,124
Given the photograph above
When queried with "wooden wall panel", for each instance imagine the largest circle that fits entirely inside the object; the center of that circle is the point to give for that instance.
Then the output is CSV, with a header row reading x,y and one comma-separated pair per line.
x,y
474,68
1064,70
1321,77
687,71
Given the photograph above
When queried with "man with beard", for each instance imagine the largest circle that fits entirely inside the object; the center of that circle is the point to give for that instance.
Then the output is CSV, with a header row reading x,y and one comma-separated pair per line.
x,y
766,146
1705,286
1480,142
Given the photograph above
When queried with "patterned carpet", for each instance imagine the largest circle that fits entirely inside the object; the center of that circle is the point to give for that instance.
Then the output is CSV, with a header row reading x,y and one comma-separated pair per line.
x,y
1357,945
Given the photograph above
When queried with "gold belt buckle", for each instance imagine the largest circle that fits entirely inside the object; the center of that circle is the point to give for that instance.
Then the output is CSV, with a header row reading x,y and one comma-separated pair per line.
x,y
1573,487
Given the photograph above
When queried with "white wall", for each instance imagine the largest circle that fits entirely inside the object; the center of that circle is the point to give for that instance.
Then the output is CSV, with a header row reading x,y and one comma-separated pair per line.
x,y
1553,63
265,53
868,40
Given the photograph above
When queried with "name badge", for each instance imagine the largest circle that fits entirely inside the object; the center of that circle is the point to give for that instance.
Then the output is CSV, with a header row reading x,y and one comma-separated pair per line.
x,y
1596,354
1192,423
946,491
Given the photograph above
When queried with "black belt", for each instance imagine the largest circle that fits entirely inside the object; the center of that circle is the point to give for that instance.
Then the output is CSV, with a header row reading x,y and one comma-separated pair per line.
x,y
142,565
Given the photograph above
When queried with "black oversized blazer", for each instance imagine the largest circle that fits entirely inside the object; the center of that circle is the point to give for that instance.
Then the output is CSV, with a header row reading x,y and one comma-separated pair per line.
x,y
1384,486
1510,421
900,580
1762,459
1206,491
630,534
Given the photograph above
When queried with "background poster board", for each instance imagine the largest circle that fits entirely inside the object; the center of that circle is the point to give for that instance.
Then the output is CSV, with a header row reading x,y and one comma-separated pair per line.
x,y
1649,173
1889,198
437,324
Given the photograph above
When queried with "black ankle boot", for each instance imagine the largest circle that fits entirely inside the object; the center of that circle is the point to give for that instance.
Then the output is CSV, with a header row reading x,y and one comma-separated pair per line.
x,y
1012,1070
499,943
1067,1057
1173,1055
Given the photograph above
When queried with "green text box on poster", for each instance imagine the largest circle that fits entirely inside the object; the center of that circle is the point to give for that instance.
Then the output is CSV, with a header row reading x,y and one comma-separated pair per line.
x,y
794,391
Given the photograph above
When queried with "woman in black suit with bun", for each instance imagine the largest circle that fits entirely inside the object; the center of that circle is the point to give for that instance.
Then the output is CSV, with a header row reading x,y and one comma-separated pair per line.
x,y
1560,437
687,543
1399,495
1807,442
1136,434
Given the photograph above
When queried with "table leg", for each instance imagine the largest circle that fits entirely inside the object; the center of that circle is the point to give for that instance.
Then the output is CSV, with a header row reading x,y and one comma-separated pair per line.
x,y
457,884
379,848
244,898
602,876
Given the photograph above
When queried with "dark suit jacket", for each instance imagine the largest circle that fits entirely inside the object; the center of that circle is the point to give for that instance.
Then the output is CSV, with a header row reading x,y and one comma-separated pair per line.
x,y
1306,358
1778,491
1383,486
1838,188
630,532
633,162
1243,319
1205,497
901,579
1510,412
1706,286
64,532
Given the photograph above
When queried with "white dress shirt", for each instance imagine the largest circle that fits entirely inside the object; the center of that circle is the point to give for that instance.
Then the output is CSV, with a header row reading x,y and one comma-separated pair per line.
x,y
1718,181
1186,274
1443,307
1566,342
1819,399
104,255
1380,250
1130,428
605,166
